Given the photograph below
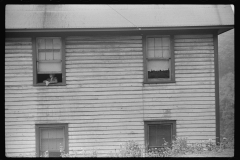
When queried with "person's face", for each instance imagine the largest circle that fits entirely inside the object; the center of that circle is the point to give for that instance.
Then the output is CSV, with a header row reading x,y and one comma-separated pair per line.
x,y
51,76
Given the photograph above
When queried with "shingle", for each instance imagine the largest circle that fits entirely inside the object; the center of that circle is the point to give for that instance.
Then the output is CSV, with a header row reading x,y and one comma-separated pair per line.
x,y
116,16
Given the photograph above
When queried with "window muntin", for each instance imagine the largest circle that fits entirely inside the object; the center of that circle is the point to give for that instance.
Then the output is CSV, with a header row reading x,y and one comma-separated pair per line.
x,y
158,59
50,138
49,59
157,132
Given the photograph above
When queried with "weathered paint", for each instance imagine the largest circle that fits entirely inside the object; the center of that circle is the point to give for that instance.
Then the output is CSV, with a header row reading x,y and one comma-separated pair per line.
x,y
105,101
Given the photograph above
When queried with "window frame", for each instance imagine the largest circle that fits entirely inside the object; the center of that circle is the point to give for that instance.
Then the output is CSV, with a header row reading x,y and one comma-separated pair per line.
x,y
145,61
38,128
34,48
158,122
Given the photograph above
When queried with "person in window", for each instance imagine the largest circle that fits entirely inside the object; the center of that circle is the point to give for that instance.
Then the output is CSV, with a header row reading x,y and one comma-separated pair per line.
x,y
52,79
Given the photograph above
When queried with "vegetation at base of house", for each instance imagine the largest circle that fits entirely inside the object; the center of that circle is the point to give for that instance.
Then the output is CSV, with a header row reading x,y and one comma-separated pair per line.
x,y
179,146
176,148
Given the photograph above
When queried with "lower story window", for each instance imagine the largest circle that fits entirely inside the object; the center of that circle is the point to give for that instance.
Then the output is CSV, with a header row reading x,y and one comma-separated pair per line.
x,y
50,138
157,132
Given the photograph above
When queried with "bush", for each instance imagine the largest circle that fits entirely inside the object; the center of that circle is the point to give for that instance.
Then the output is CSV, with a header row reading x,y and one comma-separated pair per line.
x,y
179,145
164,151
129,149
196,148
210,146
158,152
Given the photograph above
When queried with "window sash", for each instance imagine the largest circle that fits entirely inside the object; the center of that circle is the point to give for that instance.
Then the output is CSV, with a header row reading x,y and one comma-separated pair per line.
x,y
49,55
157,47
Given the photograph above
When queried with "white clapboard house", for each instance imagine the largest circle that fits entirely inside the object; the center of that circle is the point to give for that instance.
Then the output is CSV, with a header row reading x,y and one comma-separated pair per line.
x,y
125,72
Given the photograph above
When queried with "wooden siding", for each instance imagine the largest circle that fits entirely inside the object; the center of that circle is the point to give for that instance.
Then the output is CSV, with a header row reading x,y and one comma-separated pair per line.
x,y
105,101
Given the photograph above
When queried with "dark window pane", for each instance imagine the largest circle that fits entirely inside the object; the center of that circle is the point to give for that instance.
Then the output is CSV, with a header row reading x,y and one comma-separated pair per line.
x,y
157,134
158,69
42,77
158,74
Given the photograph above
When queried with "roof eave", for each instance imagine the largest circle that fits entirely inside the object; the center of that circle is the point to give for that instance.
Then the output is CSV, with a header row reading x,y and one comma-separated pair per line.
x,y
221,29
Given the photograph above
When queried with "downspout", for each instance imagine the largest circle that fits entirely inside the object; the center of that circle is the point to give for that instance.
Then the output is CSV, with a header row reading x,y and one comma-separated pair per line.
x,y
216,69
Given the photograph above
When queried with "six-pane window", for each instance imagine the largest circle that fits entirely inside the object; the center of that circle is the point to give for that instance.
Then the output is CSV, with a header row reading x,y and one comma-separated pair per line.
x,y
159,59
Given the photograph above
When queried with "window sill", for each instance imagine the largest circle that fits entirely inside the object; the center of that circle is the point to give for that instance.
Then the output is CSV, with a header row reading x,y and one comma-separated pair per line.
x,y
159,82
56,84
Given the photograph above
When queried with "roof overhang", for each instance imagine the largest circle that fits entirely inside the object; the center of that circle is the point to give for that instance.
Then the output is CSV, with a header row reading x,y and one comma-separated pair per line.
x,y
116,17
221,29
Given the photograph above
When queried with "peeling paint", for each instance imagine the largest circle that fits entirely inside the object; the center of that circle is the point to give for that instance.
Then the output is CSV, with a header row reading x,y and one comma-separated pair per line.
x,y
167,113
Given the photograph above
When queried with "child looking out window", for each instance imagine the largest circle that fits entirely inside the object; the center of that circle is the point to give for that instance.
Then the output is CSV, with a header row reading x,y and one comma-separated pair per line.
x,y
52,79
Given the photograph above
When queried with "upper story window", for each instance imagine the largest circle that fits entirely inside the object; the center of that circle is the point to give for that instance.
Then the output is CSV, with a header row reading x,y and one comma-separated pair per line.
x,y
49,61
159,59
